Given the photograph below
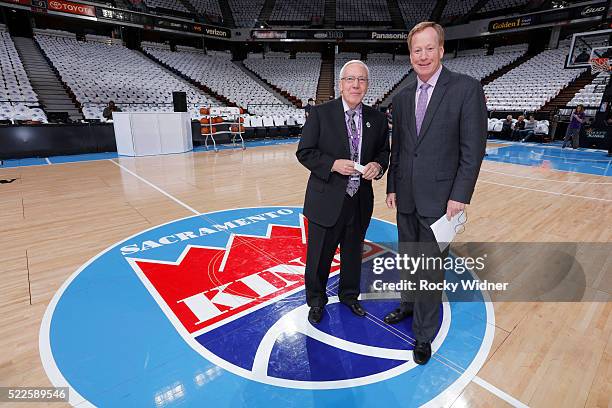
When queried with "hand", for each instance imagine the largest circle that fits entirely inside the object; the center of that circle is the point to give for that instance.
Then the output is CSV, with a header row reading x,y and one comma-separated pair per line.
x,y
344,167
391,200
371,170
453,208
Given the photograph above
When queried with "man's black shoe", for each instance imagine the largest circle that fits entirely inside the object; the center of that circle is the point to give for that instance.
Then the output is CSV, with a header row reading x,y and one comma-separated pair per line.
x,y
315,314
357,309
421,352
397,316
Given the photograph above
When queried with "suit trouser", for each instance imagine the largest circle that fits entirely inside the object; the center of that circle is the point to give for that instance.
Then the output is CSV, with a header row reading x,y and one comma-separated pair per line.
x,y
572,134
322,245
526,134
416,239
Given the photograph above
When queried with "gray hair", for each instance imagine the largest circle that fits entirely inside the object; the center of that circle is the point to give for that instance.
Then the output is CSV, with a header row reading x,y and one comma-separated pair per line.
x,y
354,62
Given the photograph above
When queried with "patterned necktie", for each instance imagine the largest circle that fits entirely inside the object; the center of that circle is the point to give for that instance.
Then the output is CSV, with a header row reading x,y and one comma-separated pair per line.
x,y
353,183
421,106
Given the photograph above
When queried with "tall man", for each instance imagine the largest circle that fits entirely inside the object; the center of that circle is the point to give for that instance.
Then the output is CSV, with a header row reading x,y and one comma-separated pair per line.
x,y
339,200
438,142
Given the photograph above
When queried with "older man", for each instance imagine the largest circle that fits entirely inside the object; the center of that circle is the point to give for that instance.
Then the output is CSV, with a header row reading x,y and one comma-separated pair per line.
x,y
439,140
338,137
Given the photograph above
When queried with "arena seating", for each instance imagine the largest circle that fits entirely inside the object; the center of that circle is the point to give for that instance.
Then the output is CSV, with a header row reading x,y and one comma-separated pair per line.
x,y
246,12
166,4
103,39
297,11
97,73
364,11
299,76
494,5
530,85
478,65
18,101
455,8
414,11
385,73
207,7
590,96
221,75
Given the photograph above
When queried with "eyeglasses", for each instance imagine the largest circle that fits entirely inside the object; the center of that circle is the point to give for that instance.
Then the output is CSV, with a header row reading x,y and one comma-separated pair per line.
x,y
352,79
460,227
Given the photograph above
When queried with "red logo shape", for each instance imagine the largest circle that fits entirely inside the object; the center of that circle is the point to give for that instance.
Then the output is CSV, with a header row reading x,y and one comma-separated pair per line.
x,y
210,285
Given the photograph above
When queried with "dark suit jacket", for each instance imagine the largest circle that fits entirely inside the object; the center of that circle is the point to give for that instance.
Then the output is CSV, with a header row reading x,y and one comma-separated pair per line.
x,y
324,140
442,162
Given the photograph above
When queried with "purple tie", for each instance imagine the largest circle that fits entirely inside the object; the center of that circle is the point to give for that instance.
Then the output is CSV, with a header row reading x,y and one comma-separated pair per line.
x,y
421,106
353,184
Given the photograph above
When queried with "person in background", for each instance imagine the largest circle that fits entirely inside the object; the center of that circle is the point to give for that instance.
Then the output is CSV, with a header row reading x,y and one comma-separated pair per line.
x,y
583,57
573,130
108,111
506,131
308,106
518,127
529,130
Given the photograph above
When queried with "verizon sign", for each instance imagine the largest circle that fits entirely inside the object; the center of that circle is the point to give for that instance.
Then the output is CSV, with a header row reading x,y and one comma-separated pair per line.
x,y
72,8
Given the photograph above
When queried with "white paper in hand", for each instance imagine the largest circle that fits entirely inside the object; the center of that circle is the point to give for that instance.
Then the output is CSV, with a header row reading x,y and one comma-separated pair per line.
x,y
359,167
444,230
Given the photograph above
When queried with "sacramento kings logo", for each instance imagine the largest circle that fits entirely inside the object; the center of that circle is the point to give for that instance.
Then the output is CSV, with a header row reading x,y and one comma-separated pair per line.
x,y
209,306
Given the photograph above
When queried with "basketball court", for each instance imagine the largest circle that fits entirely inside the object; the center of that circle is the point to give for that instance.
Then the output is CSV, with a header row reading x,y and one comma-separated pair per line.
x,y
136,278
86,305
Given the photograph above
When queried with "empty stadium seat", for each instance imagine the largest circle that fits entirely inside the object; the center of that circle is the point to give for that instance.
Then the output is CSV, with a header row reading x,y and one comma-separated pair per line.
x,y
299,77
246,12
493,5
363,11
532,84
217,71
385,73
478,65
297,11
167,4
457,8
97,73
591,95
415,11
206,7
18,101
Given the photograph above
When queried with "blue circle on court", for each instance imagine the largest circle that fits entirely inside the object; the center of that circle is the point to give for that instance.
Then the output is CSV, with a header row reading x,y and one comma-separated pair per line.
x,y
209,309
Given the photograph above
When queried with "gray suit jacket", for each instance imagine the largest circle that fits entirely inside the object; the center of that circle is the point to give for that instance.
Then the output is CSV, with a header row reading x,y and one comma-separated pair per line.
x,y
443,161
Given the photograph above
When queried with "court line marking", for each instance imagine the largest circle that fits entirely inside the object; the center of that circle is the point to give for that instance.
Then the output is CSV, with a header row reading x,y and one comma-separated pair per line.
x,y
176,200
57,163
547,192
46,325
250,144
539,166
545,179
570,158
501,394
545,149
557,145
